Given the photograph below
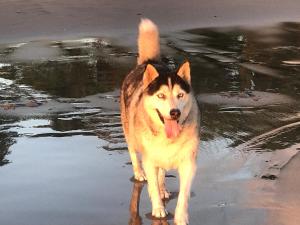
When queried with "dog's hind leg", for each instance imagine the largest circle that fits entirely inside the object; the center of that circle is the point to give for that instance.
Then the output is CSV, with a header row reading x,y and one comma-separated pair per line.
x,y
158,209
164,194
136,166
186,173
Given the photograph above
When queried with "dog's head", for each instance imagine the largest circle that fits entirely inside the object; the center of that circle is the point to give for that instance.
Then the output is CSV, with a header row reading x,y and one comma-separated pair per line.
x,y
167,97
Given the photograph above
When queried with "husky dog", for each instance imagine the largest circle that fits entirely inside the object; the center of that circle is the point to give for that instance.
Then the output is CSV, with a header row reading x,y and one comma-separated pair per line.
x,y
160,121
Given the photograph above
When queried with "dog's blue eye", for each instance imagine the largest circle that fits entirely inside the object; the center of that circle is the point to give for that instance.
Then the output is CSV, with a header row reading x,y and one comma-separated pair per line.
x,y
180,95
161,96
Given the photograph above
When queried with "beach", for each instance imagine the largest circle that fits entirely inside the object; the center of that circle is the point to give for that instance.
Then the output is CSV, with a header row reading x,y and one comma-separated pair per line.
x,y
63,156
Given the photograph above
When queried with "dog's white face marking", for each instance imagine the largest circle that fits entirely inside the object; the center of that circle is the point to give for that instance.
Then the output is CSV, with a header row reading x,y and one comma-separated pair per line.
x,y
170,84
168,97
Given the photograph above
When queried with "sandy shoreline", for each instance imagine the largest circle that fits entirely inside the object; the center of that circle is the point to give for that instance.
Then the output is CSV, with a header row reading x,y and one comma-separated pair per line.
x,y
41,19
228,189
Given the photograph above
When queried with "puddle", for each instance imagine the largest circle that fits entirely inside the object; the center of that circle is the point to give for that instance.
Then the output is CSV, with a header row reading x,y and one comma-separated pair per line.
x,y
75,68
62,148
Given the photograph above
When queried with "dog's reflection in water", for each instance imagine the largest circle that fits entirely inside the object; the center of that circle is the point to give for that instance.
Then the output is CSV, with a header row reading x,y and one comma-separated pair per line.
x,y
135,218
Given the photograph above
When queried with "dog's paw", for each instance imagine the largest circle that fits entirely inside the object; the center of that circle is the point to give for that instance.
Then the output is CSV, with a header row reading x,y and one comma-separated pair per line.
x,y
181,218
140,176
159,212
164,194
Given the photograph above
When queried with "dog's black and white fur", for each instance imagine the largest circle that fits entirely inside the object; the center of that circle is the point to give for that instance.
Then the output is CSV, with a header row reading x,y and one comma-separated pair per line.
x,y
160,120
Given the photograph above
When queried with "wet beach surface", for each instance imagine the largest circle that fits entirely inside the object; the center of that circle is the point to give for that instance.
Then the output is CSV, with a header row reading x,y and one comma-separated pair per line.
x,y
63,158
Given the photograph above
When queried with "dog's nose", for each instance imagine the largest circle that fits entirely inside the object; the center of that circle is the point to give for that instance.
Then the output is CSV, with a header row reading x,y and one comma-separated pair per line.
x,y
175,114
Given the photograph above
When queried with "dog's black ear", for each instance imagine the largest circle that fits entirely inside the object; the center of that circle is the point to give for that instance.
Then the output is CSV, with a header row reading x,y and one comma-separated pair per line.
x,y
184,72
149,75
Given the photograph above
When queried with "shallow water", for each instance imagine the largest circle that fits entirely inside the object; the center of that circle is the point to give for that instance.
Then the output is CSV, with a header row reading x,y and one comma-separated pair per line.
x,y
70,166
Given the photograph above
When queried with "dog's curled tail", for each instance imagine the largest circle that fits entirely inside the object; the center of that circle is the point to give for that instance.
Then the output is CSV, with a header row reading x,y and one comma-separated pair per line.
x,y
148,41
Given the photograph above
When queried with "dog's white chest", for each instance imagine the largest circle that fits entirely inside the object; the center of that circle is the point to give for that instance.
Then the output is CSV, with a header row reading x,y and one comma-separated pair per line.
x,y
167,154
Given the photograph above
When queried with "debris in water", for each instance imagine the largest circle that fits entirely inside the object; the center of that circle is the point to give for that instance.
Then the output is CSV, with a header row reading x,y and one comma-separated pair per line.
x,y
269,177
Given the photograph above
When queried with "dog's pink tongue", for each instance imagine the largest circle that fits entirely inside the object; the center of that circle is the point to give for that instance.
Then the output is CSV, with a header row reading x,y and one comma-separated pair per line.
x,y
172,128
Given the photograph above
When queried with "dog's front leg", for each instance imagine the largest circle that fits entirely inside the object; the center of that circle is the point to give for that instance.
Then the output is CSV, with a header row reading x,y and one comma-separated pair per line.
x,y
137,170
136,165
164,194
158,209
186,173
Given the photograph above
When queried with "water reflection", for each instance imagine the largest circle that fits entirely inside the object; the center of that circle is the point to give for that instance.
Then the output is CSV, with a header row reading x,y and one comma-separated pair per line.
x,y
5,142
79,68
67,124
253,57
7,139
135,218
86,121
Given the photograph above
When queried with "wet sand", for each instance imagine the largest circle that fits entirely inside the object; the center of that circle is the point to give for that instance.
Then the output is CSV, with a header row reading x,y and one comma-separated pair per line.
x,y
43,19
63,155
287,196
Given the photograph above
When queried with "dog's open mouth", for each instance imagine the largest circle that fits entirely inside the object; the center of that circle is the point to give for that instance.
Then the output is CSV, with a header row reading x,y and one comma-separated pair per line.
x,y
172,127
160,116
